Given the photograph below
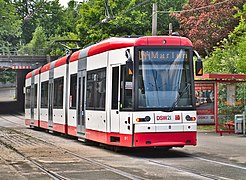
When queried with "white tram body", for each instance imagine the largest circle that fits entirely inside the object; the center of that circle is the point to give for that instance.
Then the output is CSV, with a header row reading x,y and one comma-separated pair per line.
x,y
93,95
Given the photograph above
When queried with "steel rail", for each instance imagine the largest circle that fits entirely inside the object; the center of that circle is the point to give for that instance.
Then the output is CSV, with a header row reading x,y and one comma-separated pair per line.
x,y
190,171
110,168
53,174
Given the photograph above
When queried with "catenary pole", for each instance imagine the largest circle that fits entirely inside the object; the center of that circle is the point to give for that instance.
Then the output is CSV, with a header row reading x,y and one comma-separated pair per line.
x,y
154,19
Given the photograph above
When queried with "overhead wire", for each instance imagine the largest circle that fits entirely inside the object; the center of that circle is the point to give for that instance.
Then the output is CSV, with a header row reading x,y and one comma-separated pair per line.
x,y
194,9
113,17
168,12
134,7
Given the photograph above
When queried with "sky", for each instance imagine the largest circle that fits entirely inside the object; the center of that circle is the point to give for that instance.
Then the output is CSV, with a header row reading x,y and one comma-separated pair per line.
x,y
64,2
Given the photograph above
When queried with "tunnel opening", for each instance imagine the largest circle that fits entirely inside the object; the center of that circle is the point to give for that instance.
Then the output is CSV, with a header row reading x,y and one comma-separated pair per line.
x,y
12,97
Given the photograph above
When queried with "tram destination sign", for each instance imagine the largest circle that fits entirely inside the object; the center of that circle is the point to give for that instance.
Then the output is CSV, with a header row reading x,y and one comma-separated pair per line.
x,y
162,54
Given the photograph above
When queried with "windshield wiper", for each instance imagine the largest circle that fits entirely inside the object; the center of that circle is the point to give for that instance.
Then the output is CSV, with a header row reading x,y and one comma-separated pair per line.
x,y
179,96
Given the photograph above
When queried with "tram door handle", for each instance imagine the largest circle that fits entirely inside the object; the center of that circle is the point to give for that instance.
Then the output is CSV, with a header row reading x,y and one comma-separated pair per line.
x,y
117,112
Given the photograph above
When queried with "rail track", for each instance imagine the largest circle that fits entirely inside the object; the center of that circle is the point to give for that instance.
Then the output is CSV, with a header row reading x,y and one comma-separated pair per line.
x,y
19,141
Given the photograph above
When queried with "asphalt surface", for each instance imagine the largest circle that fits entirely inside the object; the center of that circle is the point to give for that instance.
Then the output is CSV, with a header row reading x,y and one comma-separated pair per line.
x,y
214,157
228,146
7,94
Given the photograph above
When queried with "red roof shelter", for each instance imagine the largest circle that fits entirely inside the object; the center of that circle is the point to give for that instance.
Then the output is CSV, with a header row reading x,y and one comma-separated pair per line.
x,y
205,84
223,77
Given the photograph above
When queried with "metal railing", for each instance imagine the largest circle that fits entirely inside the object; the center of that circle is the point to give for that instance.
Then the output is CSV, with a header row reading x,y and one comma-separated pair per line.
x,y
14,51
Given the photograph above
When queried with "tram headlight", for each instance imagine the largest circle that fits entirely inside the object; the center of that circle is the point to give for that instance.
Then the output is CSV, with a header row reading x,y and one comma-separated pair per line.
x,y
146,119
189,118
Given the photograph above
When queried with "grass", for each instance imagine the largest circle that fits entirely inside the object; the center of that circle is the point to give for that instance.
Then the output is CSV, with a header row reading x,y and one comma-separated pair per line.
x,y
206,127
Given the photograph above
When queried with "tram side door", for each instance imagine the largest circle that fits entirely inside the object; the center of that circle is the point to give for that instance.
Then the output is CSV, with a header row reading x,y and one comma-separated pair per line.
x,y
81,102
50,103
32,100
115,99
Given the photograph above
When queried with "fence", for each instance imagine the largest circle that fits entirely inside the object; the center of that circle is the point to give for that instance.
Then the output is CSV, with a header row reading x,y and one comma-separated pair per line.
x,y
231,101
14,51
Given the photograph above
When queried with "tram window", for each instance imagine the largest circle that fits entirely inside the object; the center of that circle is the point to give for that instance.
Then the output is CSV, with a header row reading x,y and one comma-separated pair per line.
x,y
96,89
89,92
126,89
44,94
35,95
58,92
186,98
28,97
115,85
73,91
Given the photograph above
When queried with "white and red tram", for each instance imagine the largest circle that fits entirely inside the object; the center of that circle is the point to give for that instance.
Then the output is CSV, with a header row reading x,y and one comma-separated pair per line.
x,y
131,92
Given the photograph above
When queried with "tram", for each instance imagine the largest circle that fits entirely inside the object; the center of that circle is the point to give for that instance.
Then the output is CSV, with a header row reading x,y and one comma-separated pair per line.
x,y
123,91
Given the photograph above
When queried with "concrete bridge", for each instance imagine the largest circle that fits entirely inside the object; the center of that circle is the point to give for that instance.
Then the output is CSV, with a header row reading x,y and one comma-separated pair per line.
x,y
21,65
24,62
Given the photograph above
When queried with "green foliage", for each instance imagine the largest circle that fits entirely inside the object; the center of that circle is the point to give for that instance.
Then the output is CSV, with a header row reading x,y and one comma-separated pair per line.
x,y
52,19
230,56
10,24
129,17
38,44
56,49
7,76
27,9
208,22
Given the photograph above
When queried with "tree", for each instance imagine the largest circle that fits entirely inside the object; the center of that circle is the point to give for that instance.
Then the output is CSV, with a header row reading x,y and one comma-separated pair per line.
x,y
230,56
207,22
38,44
10,24
50,15
71,16
27,10
52,18
164,18
129,17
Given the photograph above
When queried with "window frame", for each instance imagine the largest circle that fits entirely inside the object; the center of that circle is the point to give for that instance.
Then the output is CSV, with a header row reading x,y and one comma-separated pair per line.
x,y
136,79
74,92
124,77
28,98
92,84
58,93
35,105
44,104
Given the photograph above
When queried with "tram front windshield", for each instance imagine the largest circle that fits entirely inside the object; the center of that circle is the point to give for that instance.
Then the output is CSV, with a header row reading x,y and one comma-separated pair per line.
x,y
164,79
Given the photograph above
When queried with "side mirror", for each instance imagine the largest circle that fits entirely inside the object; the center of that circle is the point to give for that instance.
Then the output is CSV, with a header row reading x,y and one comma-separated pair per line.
x,y
198,64
129,62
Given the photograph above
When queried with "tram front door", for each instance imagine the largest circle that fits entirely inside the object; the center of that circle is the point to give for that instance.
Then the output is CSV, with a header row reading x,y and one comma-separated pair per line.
x,y
115,106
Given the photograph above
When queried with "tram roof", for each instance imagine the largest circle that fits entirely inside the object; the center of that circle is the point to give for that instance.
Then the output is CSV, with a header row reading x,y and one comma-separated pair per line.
x,y
123,42
33,72
115,43
59,62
